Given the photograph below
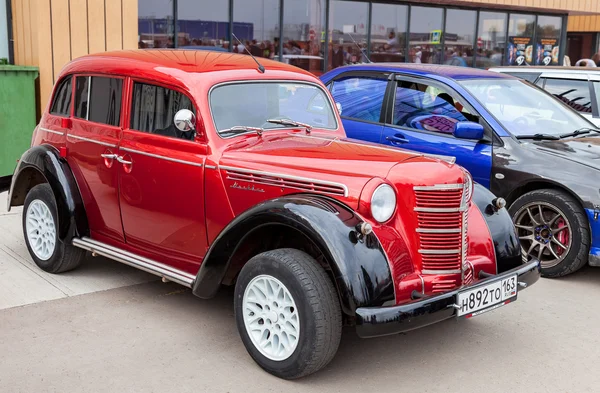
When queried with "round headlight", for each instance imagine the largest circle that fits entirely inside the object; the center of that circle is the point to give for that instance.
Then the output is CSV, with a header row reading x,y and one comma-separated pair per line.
x,y
383,203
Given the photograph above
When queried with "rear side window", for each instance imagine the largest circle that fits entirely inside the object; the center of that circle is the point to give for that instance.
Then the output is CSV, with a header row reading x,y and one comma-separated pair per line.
x,y
98,99
361,98
575,93
153,109
61,105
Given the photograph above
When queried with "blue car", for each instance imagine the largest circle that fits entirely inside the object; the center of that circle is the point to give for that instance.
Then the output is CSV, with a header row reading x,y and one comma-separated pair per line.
x,y
517,140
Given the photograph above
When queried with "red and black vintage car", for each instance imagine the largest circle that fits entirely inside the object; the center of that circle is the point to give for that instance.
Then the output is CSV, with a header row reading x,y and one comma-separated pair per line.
x,y
209,169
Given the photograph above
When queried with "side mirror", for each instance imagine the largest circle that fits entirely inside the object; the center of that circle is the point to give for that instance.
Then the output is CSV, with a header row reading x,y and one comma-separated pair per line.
x,y
339,107
468,130
185,120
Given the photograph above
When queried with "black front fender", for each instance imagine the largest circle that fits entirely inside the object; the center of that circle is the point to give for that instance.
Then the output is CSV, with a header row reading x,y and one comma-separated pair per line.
x,y
359,267
502,230
46,161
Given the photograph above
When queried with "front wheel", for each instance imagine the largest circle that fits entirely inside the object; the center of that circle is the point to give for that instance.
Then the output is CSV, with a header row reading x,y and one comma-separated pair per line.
x,y
552,227
287,313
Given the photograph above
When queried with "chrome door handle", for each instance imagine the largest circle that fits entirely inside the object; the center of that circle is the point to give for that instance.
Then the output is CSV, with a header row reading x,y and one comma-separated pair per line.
x,y
123,161
109,155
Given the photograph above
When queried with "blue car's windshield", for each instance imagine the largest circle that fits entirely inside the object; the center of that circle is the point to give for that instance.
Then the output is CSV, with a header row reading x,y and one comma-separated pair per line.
x,y
523,109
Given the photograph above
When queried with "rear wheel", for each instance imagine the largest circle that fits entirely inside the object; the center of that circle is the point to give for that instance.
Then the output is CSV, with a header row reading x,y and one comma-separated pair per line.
x,y
287,313
552,227
40,228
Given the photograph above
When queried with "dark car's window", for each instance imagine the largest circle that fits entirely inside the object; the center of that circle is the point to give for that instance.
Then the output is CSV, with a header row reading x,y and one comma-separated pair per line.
x,y
361,98
61,105
528,76
575,93
153,109
102,102
429,108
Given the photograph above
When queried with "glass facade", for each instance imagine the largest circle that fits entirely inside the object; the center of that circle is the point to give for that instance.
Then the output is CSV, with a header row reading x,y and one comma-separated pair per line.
x,y
319,35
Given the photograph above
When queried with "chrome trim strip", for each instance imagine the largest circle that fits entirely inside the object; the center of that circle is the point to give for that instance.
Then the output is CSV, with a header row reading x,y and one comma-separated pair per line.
x,y
290,177
143,153
210,166
128,258
440,251
91,140
441,209
438,187
422,284
427,230
456,271
89,87
51,131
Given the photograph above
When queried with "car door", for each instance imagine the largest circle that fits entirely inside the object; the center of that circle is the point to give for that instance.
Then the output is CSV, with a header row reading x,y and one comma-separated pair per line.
x,y
575,90
161,179
360,96
421,117
91,142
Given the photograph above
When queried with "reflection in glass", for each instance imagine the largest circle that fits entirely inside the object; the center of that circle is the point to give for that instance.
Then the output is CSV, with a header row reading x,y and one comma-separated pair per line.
x,y
256,24
548,38
347,20
520,40
388,32
155,24
203,24
458,37
425,35
491,39
303,34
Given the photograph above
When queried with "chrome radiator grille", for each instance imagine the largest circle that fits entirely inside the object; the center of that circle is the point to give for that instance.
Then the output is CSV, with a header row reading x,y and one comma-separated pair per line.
x,y
442,216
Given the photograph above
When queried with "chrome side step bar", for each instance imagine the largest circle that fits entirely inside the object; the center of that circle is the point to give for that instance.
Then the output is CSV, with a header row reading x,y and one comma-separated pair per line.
x,y
128,258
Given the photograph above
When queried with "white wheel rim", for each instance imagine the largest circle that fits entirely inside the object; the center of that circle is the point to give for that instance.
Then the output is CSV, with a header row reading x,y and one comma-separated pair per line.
x,y
40,229
271,317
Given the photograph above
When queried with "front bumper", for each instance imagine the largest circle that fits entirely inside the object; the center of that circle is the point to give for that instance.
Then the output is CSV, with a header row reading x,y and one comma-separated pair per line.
x,y
381,321
594,257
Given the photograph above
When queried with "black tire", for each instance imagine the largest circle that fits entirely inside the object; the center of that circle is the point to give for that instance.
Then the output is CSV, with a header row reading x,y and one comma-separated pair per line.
x,y
320,316
578,253
65,257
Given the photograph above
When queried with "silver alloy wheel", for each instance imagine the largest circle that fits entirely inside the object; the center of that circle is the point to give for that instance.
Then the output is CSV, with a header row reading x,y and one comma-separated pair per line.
x,y
544,232
40,229
271,317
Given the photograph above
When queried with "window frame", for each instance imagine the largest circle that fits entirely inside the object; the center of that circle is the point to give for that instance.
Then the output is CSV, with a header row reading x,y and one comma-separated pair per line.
x,y
123,95
489,134
578,78
199,137
58,85
384,75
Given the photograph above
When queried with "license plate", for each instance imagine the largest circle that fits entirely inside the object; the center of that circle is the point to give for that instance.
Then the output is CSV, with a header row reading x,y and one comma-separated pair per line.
x,y
487,297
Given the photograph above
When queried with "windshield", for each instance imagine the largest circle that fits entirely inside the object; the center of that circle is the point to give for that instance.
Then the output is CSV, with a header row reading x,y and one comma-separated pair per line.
x,y
254,104
524,109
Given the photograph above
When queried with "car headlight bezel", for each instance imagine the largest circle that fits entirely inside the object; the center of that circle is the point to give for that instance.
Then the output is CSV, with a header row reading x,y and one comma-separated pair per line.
x,y
383,203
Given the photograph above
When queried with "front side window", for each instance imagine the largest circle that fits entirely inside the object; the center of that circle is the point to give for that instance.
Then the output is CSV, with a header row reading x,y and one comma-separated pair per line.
x,y
427,108
254,104
523,109
61,105
361,98
575,93
154,107
98,99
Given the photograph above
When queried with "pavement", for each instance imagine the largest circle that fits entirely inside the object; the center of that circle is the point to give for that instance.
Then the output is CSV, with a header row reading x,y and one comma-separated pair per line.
x,y
110,328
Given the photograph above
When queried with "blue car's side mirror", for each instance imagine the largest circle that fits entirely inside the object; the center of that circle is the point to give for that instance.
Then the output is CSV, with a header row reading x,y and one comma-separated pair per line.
x,y
468,130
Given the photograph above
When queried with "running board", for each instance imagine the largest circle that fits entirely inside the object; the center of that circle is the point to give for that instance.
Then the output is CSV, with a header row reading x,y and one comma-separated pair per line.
x,y
128,258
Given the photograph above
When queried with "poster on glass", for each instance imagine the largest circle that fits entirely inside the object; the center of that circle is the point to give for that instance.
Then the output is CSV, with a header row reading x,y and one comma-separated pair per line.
x,y
547,51
520,51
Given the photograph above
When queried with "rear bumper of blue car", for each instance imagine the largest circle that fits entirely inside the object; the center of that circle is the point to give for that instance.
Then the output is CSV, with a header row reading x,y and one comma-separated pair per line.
x,y
594,219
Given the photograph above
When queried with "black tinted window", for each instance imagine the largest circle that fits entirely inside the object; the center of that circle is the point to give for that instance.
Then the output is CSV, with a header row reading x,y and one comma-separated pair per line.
x,y
104,96
153,109
575,93
528,76
62,99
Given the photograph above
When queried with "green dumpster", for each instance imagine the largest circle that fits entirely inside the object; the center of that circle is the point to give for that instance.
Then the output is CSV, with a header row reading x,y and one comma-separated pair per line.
x,y
17,116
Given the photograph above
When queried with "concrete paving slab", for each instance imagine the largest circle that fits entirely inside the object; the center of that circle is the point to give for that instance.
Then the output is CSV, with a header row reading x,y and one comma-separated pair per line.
x,y
30,284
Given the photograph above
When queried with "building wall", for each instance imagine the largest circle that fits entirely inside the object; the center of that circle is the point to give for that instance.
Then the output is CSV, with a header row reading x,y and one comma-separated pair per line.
x,y
584,23
50,33
585,6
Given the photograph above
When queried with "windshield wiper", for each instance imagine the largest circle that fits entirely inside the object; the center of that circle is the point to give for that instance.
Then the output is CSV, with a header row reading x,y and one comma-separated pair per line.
x,y
581,131
238,129
539,137
290,122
